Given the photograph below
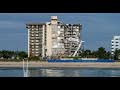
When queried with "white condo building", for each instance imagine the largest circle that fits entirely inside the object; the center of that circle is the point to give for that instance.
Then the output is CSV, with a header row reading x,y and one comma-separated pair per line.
x,y
115,44
53,38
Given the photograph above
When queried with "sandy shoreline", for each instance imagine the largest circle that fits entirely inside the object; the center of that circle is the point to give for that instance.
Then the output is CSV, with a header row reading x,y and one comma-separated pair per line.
x,y
67,65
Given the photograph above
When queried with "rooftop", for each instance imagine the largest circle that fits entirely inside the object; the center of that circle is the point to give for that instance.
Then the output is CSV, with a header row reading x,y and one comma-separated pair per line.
x,y
35,24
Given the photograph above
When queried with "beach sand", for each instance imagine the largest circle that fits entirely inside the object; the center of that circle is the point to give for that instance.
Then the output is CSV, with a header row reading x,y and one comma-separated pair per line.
x,y
61,64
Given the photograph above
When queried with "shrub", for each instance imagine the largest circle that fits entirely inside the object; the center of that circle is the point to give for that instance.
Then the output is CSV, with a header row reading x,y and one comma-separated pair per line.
x,y
34,58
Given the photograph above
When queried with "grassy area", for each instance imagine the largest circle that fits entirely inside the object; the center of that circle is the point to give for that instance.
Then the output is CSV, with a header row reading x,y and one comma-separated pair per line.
x,y
10,60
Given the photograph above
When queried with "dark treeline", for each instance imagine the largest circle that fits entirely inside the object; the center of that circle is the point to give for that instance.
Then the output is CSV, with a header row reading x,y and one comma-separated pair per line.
x,y
6,54
116,55
101,53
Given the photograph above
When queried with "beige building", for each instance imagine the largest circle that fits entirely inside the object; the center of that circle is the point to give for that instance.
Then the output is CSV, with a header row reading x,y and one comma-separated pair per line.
x,y
53,38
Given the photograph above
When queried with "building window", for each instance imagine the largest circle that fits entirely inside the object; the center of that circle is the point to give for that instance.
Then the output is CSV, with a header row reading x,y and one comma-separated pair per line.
x,y
36,34
40,26
116,45
32,40
36,49
32,37
32,43
36,46
32,34
36,55
58,26
112,42
116,42
37,43
37,40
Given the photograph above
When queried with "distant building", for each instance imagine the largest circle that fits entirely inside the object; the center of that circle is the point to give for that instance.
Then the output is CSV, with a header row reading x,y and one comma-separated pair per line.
x,y
53,38
115,44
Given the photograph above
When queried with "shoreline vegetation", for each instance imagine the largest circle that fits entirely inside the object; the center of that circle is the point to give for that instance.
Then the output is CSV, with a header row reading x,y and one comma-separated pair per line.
x,y
41,64
15,59
100,53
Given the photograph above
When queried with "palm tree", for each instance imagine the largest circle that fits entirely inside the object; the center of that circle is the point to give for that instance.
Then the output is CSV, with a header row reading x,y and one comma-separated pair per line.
x,y
117,54
101,53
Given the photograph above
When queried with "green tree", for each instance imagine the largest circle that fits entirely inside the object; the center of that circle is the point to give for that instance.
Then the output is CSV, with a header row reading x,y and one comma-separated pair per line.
x,y
94,54
6,54
22,54
85,53
108,55
1,54
101,53
117,54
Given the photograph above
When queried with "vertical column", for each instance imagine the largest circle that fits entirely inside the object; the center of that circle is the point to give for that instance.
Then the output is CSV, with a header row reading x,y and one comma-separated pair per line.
x,y
43,42
28,42
48,39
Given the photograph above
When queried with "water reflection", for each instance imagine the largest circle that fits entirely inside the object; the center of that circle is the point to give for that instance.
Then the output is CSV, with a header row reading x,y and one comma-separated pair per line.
x,y
61,72
47,73
11,73
115,73
75,72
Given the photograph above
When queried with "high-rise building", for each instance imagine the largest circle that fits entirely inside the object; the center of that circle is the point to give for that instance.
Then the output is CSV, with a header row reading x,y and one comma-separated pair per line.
x,y
115,44
53,38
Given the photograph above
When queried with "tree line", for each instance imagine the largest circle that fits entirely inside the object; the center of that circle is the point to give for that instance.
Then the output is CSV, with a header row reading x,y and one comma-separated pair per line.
x,y
100,53
6,54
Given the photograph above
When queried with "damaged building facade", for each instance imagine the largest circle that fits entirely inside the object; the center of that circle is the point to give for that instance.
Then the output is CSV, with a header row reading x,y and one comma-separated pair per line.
x,y
54,38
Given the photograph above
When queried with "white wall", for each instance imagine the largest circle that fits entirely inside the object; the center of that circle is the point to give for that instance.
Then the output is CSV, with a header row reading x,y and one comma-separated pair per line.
x,y
115,43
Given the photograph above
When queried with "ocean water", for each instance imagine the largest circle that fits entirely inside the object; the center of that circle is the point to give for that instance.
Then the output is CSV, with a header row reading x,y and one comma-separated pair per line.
x,y
61,72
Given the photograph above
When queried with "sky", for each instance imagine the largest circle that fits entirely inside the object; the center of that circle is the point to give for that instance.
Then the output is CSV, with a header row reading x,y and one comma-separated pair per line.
x,y
97,28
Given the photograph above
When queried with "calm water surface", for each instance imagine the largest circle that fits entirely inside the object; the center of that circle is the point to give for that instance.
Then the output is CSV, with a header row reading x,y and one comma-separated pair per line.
x,y
61,72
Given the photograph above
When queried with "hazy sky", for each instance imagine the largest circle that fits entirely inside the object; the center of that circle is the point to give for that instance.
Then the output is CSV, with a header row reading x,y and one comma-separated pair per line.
x,y
97,28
